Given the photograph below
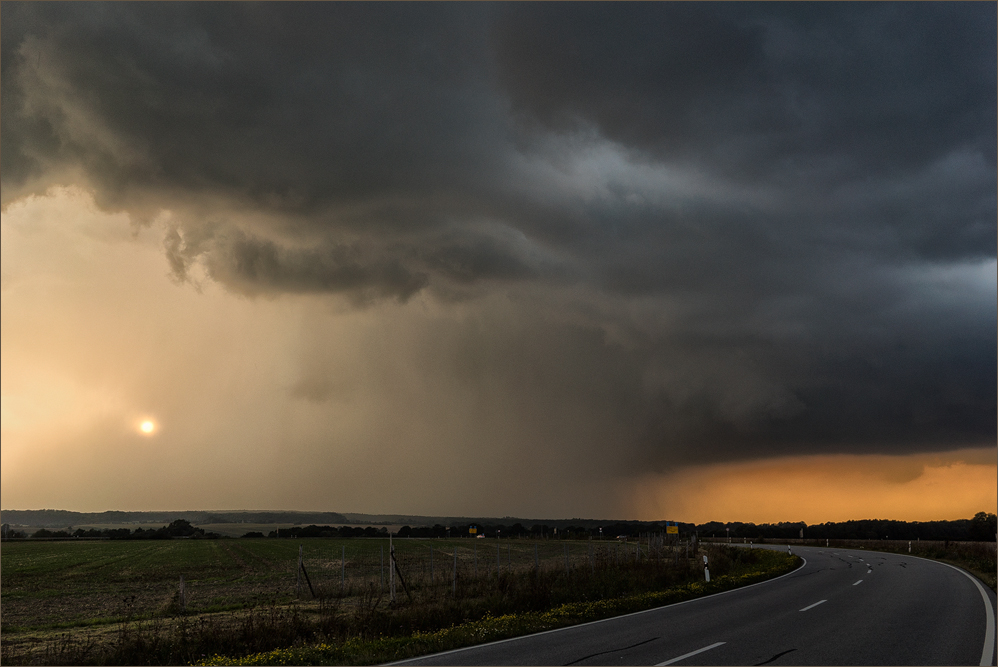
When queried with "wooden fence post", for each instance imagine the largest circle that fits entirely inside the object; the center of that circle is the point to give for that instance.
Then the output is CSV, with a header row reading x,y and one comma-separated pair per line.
x,y
391,568
298,574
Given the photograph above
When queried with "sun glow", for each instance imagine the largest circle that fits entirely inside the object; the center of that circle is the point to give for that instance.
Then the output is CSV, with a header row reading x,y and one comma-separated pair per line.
x,y
147,427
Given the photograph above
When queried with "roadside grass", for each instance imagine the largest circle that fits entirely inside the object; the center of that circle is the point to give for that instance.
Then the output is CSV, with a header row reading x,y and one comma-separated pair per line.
x,y
363,651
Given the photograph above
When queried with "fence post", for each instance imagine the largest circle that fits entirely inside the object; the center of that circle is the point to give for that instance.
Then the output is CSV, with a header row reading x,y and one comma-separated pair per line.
x,y
298,579
536,562
566,560
476,559
706,571
391,568
343,568
454,584
182,596
382,579
431,565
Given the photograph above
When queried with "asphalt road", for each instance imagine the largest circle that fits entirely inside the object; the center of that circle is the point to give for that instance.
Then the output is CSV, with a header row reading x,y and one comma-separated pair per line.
x,y
843,607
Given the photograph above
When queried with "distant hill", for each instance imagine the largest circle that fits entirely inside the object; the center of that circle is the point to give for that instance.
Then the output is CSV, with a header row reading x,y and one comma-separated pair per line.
x,y
421,520
65,518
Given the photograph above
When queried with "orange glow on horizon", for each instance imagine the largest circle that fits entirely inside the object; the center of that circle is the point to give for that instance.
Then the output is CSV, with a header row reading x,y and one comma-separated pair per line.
x,y
816,489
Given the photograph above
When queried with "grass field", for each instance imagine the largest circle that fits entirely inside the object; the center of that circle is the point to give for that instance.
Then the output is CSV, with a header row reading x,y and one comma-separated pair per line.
x,y
64,584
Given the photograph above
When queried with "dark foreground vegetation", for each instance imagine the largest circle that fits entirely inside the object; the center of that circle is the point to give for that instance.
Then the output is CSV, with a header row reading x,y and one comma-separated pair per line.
x,y
456,592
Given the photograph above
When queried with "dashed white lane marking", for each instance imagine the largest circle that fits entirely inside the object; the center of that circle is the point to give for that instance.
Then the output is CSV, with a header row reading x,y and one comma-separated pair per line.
x,y
687,655
812,606
858,582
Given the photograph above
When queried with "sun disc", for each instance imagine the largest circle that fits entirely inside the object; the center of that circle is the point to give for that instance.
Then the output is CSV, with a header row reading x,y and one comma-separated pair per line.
x,y
147,427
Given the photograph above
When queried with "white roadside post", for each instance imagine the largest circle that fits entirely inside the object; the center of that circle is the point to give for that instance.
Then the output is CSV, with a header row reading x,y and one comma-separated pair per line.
x,y
706,571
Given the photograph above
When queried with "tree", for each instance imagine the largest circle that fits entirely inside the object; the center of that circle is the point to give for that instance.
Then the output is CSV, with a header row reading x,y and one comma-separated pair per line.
x,y
983,527
182,528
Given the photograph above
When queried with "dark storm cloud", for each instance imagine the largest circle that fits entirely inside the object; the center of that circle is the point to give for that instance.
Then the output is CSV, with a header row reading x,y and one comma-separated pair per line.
x,y
761,91
754,206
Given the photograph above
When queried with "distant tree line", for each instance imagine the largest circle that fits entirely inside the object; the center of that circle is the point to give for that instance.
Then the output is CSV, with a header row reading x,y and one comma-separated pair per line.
x,y
180,528
980,528
323,531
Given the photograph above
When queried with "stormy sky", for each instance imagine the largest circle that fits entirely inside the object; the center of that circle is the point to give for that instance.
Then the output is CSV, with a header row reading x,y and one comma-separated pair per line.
x,y
597,260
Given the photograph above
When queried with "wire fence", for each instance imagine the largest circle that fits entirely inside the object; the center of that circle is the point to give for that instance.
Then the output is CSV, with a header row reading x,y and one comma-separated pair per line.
x,y
440,565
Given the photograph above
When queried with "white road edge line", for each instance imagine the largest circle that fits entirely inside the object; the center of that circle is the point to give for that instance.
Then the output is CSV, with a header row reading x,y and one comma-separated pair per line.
x,y
602,620
858,582
812,606
989,612
687,655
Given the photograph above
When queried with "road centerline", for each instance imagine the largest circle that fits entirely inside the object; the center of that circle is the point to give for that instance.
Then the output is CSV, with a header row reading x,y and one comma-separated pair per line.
x,y
858,582
812,606
689,655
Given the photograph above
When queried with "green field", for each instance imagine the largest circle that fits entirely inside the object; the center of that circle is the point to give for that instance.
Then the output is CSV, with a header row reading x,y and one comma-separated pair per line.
x,y
71,583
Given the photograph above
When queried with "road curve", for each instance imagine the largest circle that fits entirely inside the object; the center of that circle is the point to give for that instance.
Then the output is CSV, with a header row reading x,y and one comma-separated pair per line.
x,y
842,607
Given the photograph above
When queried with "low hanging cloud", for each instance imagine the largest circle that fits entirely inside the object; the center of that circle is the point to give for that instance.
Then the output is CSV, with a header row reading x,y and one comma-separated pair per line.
x,y
720,232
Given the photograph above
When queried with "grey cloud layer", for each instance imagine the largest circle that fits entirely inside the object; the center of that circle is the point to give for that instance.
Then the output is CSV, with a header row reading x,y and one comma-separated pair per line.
x,y
747,202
